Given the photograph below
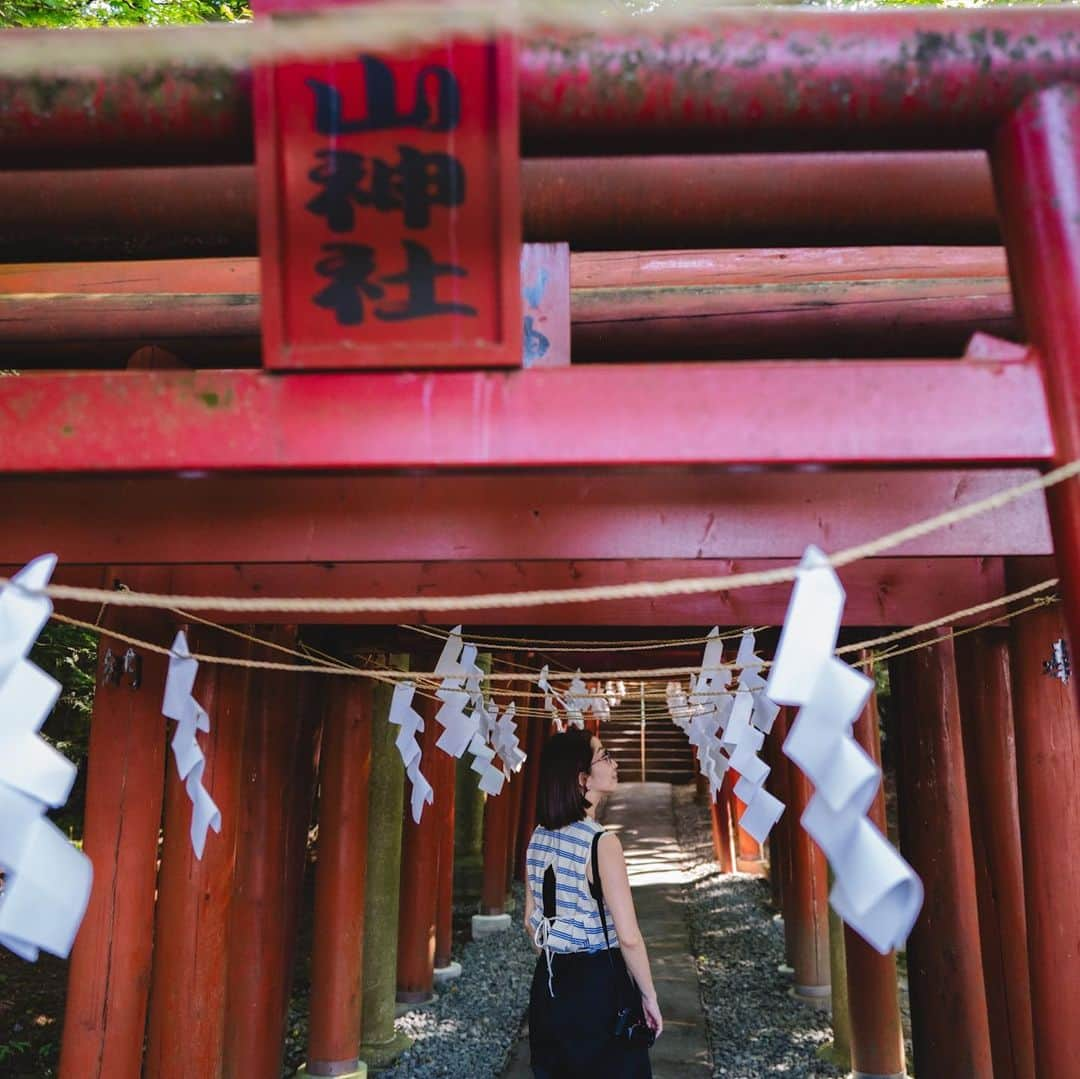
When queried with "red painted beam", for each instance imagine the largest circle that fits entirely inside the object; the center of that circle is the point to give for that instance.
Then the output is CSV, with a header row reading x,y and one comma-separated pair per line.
x,y
853,78
784,77
590,202
625,415
777,303
585,514
881,592
689,304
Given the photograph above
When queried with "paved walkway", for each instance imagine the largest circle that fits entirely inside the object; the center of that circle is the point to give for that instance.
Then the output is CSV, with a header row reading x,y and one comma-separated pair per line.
x,y
641,814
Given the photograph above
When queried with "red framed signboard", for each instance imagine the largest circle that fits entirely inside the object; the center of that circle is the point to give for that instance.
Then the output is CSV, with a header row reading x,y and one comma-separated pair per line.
x,y
389,210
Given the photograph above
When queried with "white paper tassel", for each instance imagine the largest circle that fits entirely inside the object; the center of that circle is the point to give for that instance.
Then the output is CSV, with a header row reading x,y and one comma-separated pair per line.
x,y
410,723
876,892
190,716
47,881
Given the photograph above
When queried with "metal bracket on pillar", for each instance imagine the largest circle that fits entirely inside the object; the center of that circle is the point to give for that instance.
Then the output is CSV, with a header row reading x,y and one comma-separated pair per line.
x,y
1058,666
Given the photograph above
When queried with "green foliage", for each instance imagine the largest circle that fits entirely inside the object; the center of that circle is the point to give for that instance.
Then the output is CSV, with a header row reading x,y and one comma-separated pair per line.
x,y
70,656
88,13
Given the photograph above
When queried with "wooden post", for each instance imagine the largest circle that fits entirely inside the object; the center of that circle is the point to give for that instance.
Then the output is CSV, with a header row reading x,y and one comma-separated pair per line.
x,y
341,876
808,907
420,872
109,972
982,665
838,1051
382,1044
948,1003
277,754
496,839
783,834
720,819
517,781
1047,764
877,1037
748,858
536,728
444,809
186,1029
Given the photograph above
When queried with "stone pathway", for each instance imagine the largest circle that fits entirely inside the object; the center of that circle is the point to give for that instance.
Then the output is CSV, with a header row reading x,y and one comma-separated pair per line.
x,y
642,815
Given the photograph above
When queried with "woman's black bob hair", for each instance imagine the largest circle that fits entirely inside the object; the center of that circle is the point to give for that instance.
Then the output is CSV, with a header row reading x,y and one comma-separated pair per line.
x,y
560,800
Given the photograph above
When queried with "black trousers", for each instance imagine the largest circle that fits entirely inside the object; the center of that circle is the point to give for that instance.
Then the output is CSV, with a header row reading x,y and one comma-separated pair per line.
x,y
571,1034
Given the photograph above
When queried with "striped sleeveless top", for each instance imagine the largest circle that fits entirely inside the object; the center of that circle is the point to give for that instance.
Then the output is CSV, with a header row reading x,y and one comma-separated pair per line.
x,y
576,926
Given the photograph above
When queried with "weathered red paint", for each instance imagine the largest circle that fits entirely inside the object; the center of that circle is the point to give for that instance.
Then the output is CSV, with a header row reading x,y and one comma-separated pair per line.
x,y
337,954
1035,159
807,906
497,817
790,413
444,915
533,734
784,302
625,306
269,870
721,200
420,870
843,78
186,1026
877,1037
949,1021
748,854
742,79
720,821
1047,728
586,514
735,200
109,973
985,695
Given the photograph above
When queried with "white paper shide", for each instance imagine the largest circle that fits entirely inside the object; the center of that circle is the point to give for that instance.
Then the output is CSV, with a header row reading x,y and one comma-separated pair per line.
x,y
876,892
47,881
190,716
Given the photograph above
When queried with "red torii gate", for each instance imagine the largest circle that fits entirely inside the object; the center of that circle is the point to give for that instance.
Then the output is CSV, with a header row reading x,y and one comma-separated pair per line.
x,y
999,80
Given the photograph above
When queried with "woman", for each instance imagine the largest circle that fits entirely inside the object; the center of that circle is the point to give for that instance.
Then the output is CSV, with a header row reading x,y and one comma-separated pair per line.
x,y
593,1009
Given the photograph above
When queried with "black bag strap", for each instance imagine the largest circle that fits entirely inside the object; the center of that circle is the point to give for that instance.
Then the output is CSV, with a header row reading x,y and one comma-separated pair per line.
x,y
598,894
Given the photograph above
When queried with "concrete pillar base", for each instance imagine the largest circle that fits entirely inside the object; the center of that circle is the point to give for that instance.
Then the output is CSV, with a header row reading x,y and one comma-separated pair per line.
x,y
448,973
485,925
879,1075
817,996
355,1069
831,1054
379,1055
406,1002
754,866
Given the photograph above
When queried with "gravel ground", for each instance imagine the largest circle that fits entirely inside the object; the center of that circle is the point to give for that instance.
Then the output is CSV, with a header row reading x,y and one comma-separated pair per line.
x,y
755,1027
469,1030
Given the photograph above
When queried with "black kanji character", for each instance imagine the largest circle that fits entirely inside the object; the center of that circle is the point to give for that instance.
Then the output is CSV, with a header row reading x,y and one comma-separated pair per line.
x,y
340,175
349,266
437,106
416,183
420,275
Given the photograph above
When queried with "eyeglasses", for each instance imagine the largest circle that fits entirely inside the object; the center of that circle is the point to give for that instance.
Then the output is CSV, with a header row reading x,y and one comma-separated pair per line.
x,y
605,756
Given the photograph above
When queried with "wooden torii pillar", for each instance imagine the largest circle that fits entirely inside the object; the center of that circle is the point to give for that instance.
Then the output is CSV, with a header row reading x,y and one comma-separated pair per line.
x,y
110,968
1035,158
949,1022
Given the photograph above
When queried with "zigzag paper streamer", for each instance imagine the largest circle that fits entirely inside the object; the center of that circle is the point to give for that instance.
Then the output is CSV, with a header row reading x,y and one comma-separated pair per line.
x,y
190,717
410,722
876,892
483,764
456,665
505,740
47,881
550,697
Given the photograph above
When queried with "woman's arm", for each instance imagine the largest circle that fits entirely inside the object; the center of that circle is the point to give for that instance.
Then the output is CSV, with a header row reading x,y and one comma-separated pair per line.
x,y
528,916
616,885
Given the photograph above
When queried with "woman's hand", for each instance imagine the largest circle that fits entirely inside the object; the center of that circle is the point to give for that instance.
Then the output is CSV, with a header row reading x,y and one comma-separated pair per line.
x,y
653,1019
